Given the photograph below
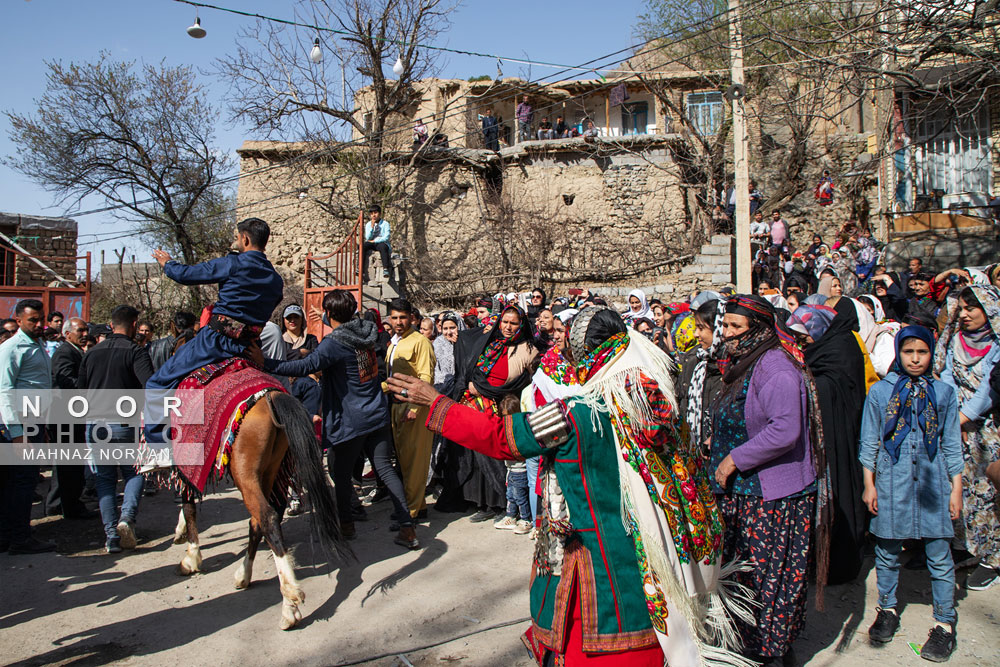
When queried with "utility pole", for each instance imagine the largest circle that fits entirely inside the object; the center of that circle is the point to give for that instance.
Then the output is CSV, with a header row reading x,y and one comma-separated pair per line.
x,y
740,146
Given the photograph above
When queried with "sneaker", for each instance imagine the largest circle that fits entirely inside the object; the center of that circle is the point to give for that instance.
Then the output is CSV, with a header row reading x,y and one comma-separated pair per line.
x,y
506,523
294,507
523,527
126,534
981,578
113,545
482,515
940,644
884,628
31,546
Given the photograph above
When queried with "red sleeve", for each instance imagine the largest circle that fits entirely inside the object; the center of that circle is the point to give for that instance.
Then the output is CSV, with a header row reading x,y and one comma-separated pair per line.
x,y
939,290
485,433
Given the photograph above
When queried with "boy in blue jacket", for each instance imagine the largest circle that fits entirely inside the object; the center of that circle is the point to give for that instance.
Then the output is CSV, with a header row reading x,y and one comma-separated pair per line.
x,y
912,457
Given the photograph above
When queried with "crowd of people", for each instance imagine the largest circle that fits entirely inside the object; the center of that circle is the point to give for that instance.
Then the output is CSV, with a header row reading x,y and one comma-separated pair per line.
x,y
840,409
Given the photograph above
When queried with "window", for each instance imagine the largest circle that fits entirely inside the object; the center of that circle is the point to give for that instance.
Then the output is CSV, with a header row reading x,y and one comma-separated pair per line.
x,y
706,111
952,152
635,117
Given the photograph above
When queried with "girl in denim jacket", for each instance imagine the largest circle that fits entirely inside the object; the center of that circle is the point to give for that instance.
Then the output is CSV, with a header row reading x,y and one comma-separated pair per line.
x,y
912,458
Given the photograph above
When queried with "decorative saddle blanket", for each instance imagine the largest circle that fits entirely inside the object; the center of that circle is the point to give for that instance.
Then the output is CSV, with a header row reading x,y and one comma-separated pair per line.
x,y
228,390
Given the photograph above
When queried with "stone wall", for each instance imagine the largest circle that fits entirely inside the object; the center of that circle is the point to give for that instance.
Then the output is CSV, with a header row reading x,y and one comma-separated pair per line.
x,y
579,214
603,215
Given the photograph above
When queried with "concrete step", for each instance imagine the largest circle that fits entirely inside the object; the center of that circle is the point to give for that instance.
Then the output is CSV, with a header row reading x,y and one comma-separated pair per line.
x,y
691,269
722,239
721,278
709,249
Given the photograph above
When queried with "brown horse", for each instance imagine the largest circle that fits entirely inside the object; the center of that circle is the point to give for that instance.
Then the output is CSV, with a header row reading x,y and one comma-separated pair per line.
x,y
273,429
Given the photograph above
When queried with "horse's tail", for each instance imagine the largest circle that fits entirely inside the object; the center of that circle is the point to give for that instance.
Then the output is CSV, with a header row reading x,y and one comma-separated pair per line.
x,y
307,462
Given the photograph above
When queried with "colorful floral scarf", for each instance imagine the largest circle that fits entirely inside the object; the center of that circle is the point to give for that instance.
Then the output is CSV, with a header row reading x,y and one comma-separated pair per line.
x,y
601,355
556,367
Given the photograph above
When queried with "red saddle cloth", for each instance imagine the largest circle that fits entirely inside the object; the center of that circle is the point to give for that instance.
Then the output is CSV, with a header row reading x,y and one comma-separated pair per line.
x,y
228,390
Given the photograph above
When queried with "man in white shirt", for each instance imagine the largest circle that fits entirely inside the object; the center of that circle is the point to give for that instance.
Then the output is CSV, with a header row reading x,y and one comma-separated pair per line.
x,y
759,229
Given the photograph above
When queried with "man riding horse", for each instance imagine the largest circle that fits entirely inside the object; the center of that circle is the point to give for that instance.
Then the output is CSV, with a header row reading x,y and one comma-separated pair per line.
x,y
249,291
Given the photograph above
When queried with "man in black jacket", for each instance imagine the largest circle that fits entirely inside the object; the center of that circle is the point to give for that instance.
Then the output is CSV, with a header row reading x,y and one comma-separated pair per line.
x,y
67,478
161,348
117,363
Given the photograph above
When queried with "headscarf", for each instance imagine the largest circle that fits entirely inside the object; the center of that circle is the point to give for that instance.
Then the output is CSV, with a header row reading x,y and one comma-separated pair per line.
x,y
968,347
826,283
911,396
696,392
644,309
746,348
683,333
498,343
867,328
814,319
876,305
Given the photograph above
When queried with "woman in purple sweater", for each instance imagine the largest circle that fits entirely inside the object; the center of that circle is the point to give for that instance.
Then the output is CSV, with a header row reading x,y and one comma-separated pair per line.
x,y
765,475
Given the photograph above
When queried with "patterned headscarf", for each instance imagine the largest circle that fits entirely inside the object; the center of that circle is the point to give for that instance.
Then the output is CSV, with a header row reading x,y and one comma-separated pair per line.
x,y
696,393
989,298
912,396
815,319
683,333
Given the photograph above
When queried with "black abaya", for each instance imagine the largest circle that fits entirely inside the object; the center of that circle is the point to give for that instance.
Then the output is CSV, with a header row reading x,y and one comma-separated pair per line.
x,y
838,365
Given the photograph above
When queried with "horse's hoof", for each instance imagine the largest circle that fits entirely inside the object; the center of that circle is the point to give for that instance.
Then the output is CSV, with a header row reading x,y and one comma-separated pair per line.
x,y
290,616
190,564
241,578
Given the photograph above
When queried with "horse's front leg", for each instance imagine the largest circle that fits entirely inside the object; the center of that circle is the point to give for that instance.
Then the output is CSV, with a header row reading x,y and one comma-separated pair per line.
x,y
191,562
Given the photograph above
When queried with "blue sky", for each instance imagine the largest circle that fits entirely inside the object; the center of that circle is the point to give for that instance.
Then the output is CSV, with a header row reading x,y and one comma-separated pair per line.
x,y
152,30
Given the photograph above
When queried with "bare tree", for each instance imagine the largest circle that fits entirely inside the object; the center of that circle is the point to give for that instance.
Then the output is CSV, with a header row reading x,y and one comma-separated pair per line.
x,y
279,91
140,137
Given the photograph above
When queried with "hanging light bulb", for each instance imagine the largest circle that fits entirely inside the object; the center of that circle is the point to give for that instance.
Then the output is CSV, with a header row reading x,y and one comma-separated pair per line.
x,y
196,30
398,68
316,55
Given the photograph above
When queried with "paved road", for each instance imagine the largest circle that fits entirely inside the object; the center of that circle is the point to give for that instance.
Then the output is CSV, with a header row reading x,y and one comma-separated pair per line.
x,y
83,607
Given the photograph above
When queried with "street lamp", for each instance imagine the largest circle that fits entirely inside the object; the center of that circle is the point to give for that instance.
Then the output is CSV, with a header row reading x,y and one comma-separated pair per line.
x,y
196,30
316,55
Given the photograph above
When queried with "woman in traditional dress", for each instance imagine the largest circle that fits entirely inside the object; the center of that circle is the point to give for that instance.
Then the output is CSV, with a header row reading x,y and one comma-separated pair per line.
x,y
627,562
765,471
444,351
837,364
966,353
490,363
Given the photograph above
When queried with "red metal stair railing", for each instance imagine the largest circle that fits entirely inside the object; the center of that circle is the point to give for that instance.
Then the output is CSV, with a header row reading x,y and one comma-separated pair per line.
x,y
341,269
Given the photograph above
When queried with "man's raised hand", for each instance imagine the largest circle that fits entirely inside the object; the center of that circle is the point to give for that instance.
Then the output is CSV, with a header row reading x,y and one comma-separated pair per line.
x,y
161,256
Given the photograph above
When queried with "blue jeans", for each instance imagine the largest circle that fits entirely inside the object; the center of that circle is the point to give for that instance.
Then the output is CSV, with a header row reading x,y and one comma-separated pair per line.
x,y
532,465
517,494
939,564
107,482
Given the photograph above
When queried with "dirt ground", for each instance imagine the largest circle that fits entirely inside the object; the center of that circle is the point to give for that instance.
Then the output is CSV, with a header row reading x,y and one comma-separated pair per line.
x,y
459,600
